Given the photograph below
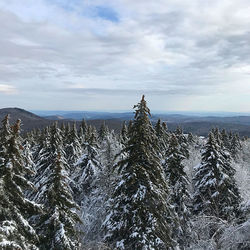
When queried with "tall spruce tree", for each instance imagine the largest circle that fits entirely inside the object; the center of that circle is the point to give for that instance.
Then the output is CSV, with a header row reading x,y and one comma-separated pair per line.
x,y
162,135
58,225
216,192
45,162
86,169
225,139
139,216
103,131
235,146
124,134
190,138
180,196
73,148
183,142
15,230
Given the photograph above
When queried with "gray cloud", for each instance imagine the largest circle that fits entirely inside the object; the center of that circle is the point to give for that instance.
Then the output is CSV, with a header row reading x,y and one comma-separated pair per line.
x,y
156,47
184,91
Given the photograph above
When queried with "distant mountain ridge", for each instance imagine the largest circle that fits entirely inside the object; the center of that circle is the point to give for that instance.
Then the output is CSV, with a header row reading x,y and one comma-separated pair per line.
x,y
170,118
32,121
199,125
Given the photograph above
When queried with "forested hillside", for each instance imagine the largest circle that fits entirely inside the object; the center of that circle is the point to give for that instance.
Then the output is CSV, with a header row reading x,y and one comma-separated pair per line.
x,y
67,188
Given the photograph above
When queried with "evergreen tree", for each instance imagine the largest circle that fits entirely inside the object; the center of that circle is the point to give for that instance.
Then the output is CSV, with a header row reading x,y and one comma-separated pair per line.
x,y
30,138
225,139
43,141
130,125
15,230
86,169
73,147
166,134
190,138
90,133
5,134
216,192
103,131
182,141
235,146
28,156
217,135
178,182
161,133
139,216
84,126
45,163
124,134
67,130
81,137
165,127
82,133
63,128
58,225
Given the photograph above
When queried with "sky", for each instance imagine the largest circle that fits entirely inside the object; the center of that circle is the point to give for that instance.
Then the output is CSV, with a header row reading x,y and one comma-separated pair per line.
x,y
104,54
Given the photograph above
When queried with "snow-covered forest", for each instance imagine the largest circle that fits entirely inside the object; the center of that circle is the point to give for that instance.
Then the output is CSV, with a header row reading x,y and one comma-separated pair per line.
x,y
69,188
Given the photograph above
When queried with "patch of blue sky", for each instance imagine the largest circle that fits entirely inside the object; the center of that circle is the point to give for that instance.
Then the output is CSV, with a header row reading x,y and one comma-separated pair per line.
x,y
68,5
88,9
107,13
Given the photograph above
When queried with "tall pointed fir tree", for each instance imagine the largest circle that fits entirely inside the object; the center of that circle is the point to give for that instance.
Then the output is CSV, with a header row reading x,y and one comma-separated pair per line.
x,y
45,163
58,227
225,139
180,196
161,133
124,134
86,168
139,216
73,148
82,132
84,126
216,191
43,141
15,230
28,156
103,131
190,139
235,146
183,142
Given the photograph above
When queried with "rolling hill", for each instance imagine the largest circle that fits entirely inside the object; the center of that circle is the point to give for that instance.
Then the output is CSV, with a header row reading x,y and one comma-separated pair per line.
x,y
196,124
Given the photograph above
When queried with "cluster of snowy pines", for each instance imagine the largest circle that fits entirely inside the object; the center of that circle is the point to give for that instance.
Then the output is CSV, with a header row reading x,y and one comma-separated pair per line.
x,y
145,188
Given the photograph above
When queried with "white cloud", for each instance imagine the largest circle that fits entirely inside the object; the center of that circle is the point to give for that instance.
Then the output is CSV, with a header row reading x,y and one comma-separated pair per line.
x,y
182,47
7,89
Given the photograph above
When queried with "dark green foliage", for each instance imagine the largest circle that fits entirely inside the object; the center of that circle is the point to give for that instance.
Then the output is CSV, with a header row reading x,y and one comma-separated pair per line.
x,y
73,149
86,169
163,137
58,225
124,134
225,139
178,182
190,138
183,142
103,131
235,146
84,126
140,216
15,230
216,192
45,161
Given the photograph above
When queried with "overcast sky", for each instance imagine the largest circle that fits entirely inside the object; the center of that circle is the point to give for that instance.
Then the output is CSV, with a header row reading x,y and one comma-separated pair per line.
x,y
104,54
